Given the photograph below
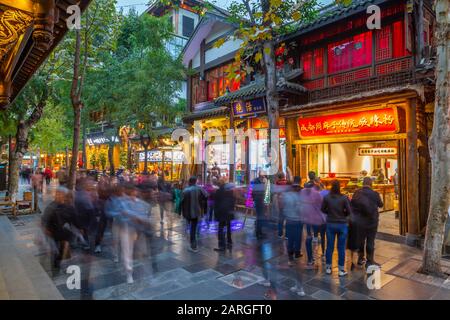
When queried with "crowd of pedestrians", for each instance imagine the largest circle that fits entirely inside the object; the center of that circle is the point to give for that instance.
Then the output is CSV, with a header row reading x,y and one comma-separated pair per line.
x,y
308,215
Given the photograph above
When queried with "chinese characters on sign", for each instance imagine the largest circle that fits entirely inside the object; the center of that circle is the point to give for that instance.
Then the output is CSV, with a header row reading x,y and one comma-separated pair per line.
x,y
371,121
156,156
244,108
388,151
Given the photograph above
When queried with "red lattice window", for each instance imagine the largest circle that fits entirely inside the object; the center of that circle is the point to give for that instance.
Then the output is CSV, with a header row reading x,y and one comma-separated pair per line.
x,y
398,39
350,53
198,90
318,62
307,64
394,66
218,81
315,84
350,76
313,63
383,42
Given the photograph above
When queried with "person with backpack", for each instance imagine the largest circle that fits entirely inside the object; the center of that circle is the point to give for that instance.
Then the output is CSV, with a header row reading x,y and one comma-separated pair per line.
x,y
365,202
337,208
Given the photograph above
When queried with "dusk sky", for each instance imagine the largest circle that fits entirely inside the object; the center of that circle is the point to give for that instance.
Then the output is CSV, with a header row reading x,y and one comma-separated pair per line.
x,y
141,5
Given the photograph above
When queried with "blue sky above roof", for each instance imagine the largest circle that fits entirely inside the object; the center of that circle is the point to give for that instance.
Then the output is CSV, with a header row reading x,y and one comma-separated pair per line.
x,y
141,5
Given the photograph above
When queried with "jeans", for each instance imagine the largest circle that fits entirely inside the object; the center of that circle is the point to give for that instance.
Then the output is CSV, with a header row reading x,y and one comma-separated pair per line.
x,y
101,226
194,223
210,213
340,230
322,230
221,233
259,219
281,220
308,243
293,233
367,237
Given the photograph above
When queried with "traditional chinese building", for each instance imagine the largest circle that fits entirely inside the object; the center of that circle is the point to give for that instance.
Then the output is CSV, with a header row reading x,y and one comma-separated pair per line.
x,y
29,30
354,101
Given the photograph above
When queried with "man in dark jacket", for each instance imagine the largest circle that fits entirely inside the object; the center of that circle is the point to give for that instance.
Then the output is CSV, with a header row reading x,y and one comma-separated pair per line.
x,y
365,203
224,212
193,206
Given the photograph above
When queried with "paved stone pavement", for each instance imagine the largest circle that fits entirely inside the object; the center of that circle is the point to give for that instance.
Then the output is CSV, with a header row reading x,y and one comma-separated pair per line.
x,y
165,269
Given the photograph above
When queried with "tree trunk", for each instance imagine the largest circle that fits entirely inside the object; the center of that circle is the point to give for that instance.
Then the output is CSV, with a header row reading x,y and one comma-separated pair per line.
x,y
75,97
439,147
111,159
273,112
145,158
16,159
75,146
84,157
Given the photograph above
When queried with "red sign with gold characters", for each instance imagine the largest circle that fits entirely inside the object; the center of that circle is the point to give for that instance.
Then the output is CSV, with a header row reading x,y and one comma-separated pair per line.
x,y
370,121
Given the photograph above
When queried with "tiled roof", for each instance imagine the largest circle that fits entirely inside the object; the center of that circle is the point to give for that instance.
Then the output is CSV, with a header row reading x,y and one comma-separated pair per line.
x,y
257,89
210,113
333,13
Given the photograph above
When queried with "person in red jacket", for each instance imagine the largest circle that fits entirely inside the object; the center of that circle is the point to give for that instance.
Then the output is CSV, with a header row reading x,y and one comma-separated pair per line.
x,y
48,174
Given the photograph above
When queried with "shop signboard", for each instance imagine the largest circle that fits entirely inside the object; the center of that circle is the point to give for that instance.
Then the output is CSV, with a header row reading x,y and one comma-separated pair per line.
x,y
359,122
156,156
381,152
100,140
247,108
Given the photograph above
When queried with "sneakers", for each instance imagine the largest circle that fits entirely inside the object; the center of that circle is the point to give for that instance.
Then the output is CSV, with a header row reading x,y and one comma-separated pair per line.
x,y
298,255
290,263
265,283
98,249
299,291
328,270
310,265
130,279
219,249
193,249
342,273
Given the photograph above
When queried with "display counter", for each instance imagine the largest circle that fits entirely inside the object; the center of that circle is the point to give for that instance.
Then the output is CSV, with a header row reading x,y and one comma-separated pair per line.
x,y
386,191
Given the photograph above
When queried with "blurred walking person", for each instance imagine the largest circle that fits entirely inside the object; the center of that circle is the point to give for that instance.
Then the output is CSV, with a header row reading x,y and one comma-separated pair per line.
x,y
193,206
85,209
289,206
280,188
164,197
311,216
337,208
134,220
114,207
211,188
224,213
48,174
258,195
365,203
57,220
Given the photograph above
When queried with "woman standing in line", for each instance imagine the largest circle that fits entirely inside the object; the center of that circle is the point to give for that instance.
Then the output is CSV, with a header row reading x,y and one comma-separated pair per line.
x,y
337,208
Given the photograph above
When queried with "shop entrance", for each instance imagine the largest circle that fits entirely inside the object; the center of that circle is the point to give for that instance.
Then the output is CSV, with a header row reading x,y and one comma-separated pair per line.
x,y
351,162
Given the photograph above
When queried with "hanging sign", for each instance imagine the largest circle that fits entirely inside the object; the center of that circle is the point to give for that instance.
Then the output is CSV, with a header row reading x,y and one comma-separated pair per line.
x,y
387,151
370,121
251,107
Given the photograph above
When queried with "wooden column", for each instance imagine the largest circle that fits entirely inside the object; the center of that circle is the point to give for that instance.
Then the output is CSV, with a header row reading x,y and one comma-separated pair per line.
x,y
289,156
412,176
247,154
232,157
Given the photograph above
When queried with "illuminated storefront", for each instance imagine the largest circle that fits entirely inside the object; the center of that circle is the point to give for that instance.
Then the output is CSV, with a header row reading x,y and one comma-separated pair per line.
x,y
163,160
350,142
